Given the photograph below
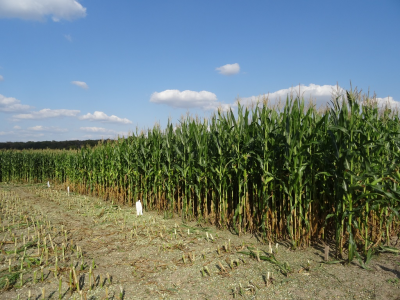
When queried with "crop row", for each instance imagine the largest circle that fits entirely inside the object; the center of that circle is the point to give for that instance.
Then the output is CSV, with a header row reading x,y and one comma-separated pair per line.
x,y
294,172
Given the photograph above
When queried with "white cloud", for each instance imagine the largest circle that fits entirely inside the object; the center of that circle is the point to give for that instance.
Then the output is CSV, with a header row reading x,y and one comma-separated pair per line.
x,y
187,99
319,94
81,84
47,129
101,136
96,130
10,104
102,117
1,78
47,113
17,127
68,37
100,132
38,9
389,102
229,69
36,128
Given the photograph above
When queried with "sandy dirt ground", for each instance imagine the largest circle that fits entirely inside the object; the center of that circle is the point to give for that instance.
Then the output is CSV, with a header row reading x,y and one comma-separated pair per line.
x,y
55,246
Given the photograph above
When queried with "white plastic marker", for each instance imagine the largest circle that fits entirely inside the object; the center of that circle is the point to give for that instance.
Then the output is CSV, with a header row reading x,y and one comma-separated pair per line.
x,y
68,190
139,208
48,184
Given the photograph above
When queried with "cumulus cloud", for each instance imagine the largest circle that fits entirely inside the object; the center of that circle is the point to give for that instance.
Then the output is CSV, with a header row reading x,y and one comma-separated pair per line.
x,y
47,113
100,132
39,9
187,99
10,104
102,136
228,69
102,117
96,130
320,95
47,129
1,78
81,84
17,127
388,101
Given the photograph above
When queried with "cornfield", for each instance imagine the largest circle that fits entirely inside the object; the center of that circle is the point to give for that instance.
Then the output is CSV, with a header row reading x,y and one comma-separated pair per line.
x,y
294,173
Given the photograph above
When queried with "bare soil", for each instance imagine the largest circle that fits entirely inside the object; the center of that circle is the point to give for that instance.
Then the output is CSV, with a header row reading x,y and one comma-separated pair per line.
x,y
149,257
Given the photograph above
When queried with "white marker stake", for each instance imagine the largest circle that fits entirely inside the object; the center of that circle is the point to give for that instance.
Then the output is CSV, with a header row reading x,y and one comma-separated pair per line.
x,y
48,184
139,208
68,190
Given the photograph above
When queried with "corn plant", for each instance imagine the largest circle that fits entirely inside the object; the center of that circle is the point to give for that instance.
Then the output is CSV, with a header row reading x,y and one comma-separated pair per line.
x,y
291,172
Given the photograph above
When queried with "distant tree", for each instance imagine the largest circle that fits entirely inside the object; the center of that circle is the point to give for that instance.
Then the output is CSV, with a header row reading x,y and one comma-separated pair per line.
x,y
73,145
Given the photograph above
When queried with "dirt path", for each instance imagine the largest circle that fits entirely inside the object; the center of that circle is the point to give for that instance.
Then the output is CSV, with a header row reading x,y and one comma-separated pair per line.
x,y
116,254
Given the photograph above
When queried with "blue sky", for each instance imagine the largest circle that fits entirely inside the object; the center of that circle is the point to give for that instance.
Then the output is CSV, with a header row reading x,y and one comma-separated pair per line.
x,y
86,69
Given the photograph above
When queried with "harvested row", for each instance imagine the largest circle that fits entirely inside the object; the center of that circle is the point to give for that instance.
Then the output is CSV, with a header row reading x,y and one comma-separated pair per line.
x,y
119,255
294,173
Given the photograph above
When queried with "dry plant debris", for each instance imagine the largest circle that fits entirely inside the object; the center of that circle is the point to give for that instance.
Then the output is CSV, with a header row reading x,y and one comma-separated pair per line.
x,y
77,247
